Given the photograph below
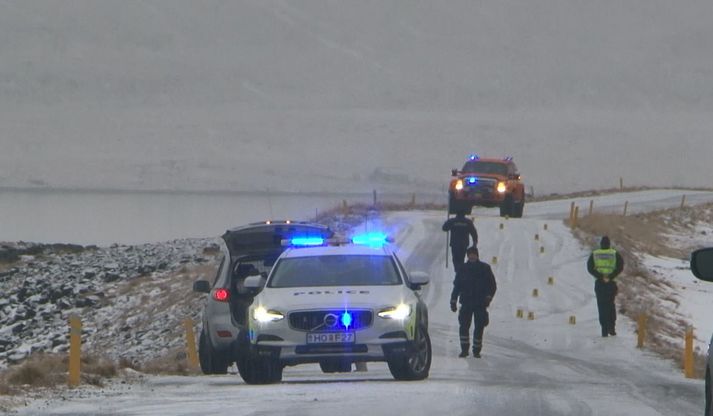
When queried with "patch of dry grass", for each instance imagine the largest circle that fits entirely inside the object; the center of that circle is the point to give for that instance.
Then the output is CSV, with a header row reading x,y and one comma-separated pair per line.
x,y
50,370
174,362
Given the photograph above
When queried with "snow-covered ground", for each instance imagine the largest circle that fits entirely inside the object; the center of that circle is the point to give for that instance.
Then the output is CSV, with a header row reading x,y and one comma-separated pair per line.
x,y
543,366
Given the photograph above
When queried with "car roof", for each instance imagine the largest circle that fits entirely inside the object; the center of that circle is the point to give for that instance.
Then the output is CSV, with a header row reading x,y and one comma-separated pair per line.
x,y
349,249
264,239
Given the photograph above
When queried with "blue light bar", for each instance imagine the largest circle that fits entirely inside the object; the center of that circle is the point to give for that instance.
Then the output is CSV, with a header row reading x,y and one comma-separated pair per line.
x,y
307,241
473,157
472,180
507,158
346,319
370,239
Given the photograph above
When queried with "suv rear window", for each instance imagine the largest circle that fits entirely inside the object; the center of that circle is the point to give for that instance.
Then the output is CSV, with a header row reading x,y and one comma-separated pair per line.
x,y
335,270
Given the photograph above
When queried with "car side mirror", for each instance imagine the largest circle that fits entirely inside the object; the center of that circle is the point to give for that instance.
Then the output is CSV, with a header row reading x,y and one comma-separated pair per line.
x,y
515,176
702,264
255,282
201,286
418,278
454,172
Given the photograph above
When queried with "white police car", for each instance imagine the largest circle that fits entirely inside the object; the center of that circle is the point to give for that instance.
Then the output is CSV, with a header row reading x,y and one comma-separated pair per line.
x,y
337,304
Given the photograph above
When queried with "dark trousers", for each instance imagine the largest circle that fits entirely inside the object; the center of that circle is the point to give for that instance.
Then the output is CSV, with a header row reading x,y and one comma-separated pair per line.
x,y
479,316
606,294
458,254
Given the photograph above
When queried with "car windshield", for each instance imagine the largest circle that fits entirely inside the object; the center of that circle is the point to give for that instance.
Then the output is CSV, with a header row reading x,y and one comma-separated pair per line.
x,y
335,270
485,167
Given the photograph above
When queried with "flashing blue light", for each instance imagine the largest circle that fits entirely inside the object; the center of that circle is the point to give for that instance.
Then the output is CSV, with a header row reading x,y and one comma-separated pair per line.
x,y
346,319
307,241
472,180
370,239
473,157
507,158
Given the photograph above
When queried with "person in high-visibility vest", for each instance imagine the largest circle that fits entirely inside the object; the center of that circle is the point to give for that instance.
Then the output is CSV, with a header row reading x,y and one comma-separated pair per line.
x,y
605,264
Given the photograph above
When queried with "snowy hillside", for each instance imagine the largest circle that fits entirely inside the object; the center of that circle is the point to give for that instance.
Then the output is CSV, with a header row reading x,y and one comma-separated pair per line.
x,y
285,95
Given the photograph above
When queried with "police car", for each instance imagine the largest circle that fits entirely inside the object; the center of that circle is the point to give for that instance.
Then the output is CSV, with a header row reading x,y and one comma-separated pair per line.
x,y
337,303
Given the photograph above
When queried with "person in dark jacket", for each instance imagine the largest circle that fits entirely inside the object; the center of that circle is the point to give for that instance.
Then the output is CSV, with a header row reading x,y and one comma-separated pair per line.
x,y
605,264
462,230
475,286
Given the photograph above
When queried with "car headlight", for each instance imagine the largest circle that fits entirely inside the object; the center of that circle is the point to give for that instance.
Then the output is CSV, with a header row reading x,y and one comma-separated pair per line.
x,y
501,187
263,315
400,312
459,185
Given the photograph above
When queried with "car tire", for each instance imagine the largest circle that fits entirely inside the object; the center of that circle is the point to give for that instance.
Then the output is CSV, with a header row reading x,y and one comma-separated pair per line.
x,y
417,364
335,366
709,393
518,209
259,370
506,207
210,361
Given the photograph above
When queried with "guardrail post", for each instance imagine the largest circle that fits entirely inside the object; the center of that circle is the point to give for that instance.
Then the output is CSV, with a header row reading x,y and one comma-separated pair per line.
x,y
190,343
683,201
591,207
75,350
626,206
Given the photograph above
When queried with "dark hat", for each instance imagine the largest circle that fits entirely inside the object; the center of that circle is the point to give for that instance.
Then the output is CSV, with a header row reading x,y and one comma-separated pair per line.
x,y
473,250
605,243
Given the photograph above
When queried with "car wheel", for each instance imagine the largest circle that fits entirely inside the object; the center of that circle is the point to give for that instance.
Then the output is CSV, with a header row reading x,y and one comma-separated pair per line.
x,y
417,364
709,393
211,362
259,370
506,208
517,209
335,366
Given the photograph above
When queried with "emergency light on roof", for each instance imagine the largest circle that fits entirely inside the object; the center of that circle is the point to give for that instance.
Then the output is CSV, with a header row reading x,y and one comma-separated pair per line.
x,y
306,241
473,157
471,180
507,158
371,239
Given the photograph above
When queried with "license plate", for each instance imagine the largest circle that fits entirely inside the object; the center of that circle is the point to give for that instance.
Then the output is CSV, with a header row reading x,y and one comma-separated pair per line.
x,y
330,338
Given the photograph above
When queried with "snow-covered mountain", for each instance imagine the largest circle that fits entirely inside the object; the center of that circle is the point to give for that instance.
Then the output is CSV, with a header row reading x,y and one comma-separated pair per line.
x,y
321,95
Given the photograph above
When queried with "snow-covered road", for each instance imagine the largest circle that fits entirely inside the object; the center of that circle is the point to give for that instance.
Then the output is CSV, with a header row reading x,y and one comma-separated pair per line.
x,y
543,366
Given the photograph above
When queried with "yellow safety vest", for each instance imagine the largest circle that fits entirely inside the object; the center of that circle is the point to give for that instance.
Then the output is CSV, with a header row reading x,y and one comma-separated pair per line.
x,y
604,260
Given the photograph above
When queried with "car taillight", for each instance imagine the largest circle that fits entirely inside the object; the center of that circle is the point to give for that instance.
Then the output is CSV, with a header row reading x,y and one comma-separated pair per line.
x,y
221,295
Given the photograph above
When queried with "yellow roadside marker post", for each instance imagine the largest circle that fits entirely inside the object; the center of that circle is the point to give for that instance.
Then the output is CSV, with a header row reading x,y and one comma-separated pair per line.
x,y
535,293
572,320
688,354
520,313
641,330
550,280
75,350
190,343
